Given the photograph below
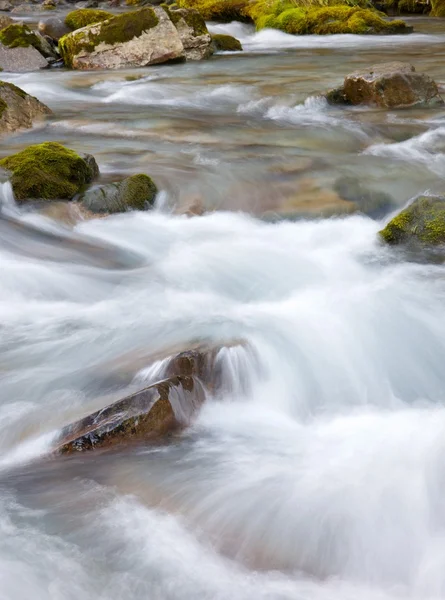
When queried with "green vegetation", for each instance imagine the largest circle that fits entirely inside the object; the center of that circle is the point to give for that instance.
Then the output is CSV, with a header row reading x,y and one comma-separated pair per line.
x,y
119,29
300,16
47,171
19,35
438,8
138,190
82,17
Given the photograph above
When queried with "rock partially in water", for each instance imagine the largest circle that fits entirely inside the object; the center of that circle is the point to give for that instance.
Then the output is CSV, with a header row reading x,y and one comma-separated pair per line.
x,y
135,39
193,32
48,171
137,192
21,60
53,27
225,43
389,85
5,6
19,110
373,203
76,19
150,414
422,223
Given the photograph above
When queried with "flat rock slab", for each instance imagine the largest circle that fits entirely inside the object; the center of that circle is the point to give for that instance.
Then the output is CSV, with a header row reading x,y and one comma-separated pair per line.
x,y
21,60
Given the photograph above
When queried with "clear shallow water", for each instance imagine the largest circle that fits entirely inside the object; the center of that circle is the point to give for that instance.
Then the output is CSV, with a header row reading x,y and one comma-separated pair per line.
x,y
318,473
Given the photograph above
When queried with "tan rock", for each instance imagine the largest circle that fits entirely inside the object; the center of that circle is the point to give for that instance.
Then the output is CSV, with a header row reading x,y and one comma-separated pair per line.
x,y
19,109
389,85
193,32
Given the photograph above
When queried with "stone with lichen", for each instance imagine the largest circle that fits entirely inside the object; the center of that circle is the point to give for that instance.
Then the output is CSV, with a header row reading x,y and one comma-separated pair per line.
x,y
19,110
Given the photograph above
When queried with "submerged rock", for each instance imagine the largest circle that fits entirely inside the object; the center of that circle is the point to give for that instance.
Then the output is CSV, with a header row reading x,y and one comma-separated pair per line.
x,y
225,43
389,85
422,223
48,171
137,192
76,19
154,412
373,203
136,39
19,110
53,27
193,32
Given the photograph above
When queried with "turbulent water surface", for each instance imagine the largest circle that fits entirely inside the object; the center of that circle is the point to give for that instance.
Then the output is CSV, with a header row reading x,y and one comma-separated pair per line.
x,y
318,472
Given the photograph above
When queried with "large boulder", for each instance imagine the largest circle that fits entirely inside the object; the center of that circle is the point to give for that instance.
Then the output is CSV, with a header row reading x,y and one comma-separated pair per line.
x,y
225,43
389,85
53,27
136,39
76,19
137,192
18,110
148,415
21,59
193,32
19,35
48,171
422,223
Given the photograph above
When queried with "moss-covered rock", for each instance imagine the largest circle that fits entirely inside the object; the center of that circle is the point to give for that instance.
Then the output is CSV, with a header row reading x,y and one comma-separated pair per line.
x,y
220,10
421,223
135,39
18,110
76,19
48,171
137,192
19,35
225,43
437,8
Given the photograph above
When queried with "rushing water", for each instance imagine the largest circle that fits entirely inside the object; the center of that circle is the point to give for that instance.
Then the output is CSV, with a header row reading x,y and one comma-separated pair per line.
x,y
318,472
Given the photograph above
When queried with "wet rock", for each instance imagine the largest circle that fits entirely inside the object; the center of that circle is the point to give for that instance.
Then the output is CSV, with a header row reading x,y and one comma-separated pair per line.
x,y
193,32
19,110
137,192
422,223
389,85
49,5
47,171
53,27
225,43
373,203
76,19
5,6
135,39
150,414
19,35
21,60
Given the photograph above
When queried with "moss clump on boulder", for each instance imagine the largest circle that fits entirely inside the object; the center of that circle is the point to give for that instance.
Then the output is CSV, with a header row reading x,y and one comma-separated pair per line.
x,y
48,171
421,223
226,43
82,17
117,30
220,10
137,192
19,35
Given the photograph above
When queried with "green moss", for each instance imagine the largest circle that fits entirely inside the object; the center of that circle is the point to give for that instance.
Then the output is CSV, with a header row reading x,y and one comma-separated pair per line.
x,y
47,171
437,8
192,17
422,222
226,43
117,30
138,190
174,16
219,10
19,35
82,17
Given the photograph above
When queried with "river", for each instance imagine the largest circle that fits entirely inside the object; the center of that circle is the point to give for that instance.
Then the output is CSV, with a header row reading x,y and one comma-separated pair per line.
x,y
318,472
